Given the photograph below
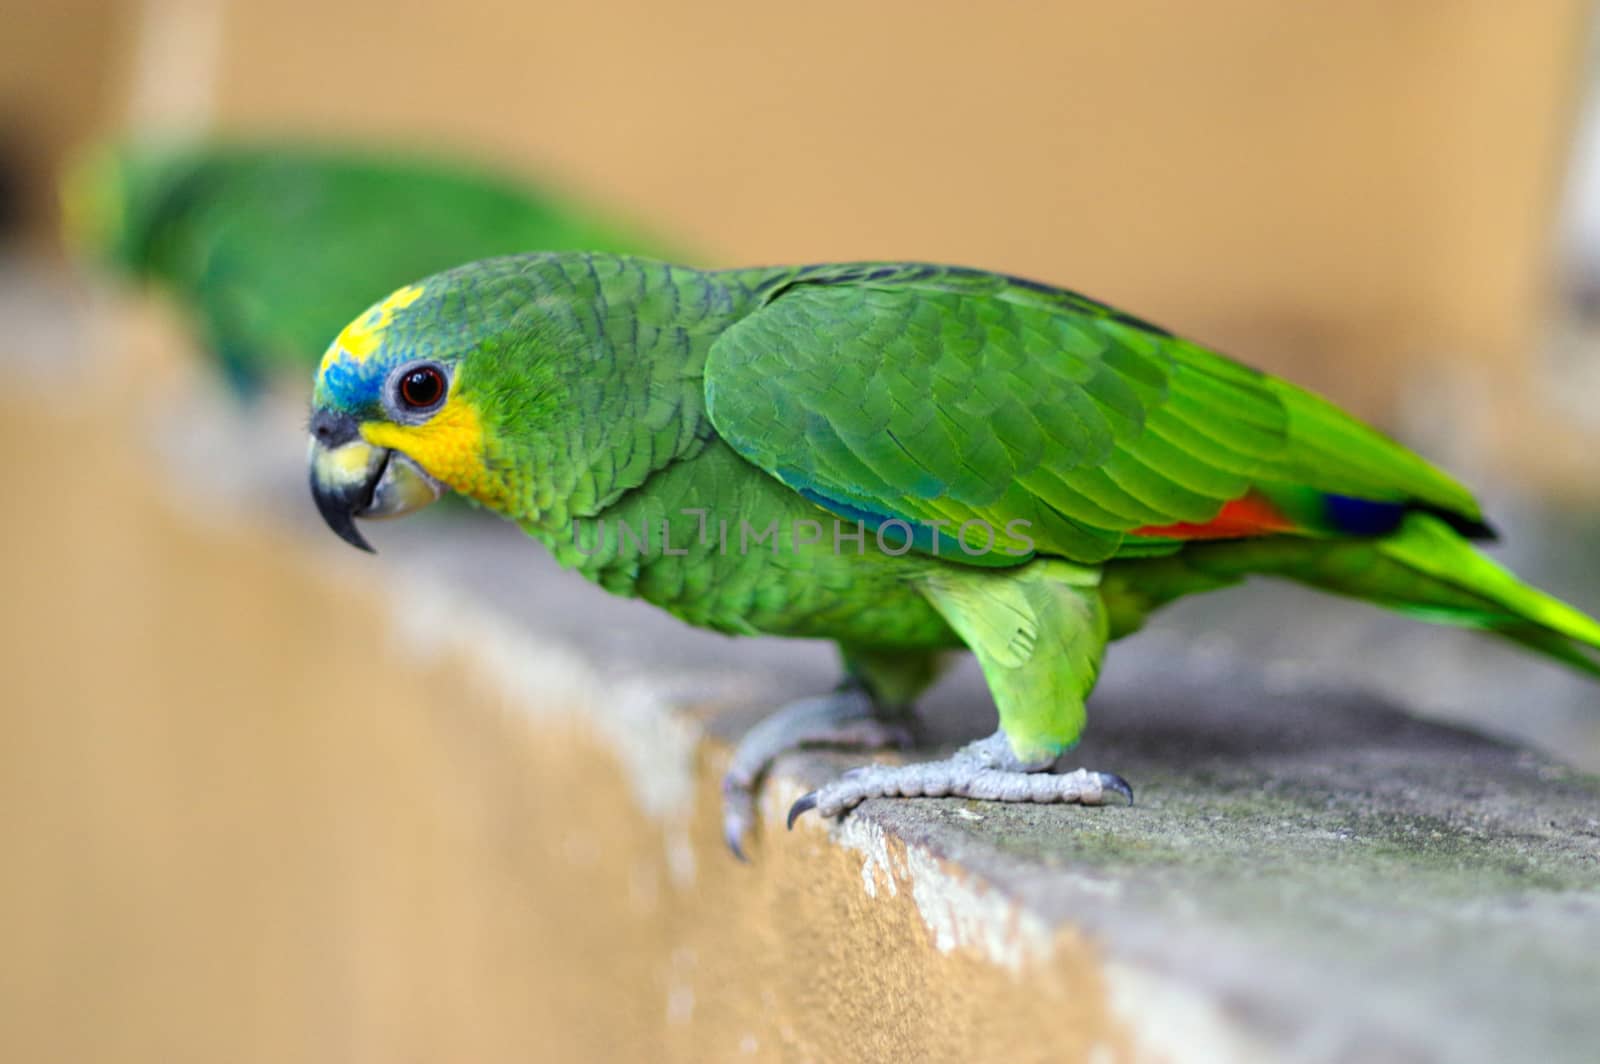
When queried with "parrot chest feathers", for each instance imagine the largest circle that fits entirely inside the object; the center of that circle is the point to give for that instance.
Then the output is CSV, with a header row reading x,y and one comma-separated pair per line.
x,y
721,549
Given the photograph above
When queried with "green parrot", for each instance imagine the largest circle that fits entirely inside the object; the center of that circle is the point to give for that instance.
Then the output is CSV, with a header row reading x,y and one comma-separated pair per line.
x,y
272,246
905,459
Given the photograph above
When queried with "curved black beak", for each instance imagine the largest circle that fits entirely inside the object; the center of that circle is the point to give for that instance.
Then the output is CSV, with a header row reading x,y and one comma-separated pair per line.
x,y
351,478
342,481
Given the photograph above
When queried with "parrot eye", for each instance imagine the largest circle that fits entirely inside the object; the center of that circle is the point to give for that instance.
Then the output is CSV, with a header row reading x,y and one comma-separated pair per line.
x,y
420,388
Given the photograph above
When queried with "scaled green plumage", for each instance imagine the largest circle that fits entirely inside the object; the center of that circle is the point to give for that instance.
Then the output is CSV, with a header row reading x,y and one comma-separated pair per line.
x,y
1101,466
271,246
967,396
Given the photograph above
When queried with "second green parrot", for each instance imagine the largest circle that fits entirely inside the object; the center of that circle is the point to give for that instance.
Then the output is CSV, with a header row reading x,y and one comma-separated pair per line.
x,y
903,459
272,245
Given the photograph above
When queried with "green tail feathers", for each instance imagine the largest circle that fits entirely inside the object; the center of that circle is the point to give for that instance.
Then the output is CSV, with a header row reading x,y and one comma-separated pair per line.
x,y
1480,593
1426,570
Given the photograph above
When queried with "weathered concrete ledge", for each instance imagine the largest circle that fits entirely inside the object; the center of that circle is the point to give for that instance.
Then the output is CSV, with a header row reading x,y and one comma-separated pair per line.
x,y
1310,873
456,799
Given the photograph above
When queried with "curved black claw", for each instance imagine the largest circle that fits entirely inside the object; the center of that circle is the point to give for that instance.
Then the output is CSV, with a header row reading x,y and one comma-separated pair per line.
x,y
735,840
1113,782
803,804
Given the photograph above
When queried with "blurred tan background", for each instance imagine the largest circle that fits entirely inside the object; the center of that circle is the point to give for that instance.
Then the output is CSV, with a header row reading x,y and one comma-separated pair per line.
x,y
232,831
1362,195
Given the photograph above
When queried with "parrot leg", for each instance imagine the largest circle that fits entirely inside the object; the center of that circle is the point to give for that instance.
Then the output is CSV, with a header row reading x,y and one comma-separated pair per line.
x,y
1039,633
870,710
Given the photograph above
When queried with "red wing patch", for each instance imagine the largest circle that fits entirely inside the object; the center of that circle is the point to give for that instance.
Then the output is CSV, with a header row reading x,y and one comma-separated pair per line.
x,y
1241,518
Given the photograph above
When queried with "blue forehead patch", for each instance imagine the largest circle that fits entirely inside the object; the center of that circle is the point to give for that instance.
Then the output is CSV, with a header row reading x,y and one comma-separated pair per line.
x,y
351,385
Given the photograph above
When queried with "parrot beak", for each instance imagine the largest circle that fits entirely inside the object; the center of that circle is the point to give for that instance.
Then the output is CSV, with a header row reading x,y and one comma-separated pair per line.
x,y
350,478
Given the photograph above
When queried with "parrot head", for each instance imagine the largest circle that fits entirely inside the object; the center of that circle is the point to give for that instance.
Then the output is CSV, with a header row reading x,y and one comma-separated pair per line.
x,y
409,398
379,411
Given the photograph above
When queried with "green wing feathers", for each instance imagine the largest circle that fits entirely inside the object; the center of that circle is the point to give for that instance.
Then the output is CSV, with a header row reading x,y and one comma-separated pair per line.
x,y
927,395
1340,454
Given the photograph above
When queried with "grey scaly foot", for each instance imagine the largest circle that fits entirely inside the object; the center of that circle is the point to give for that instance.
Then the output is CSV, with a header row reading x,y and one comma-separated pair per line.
x,y
847,718
986,769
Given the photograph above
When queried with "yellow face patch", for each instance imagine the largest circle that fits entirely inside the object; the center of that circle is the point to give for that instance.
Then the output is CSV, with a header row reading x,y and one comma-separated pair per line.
x,y
361,337
449,445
